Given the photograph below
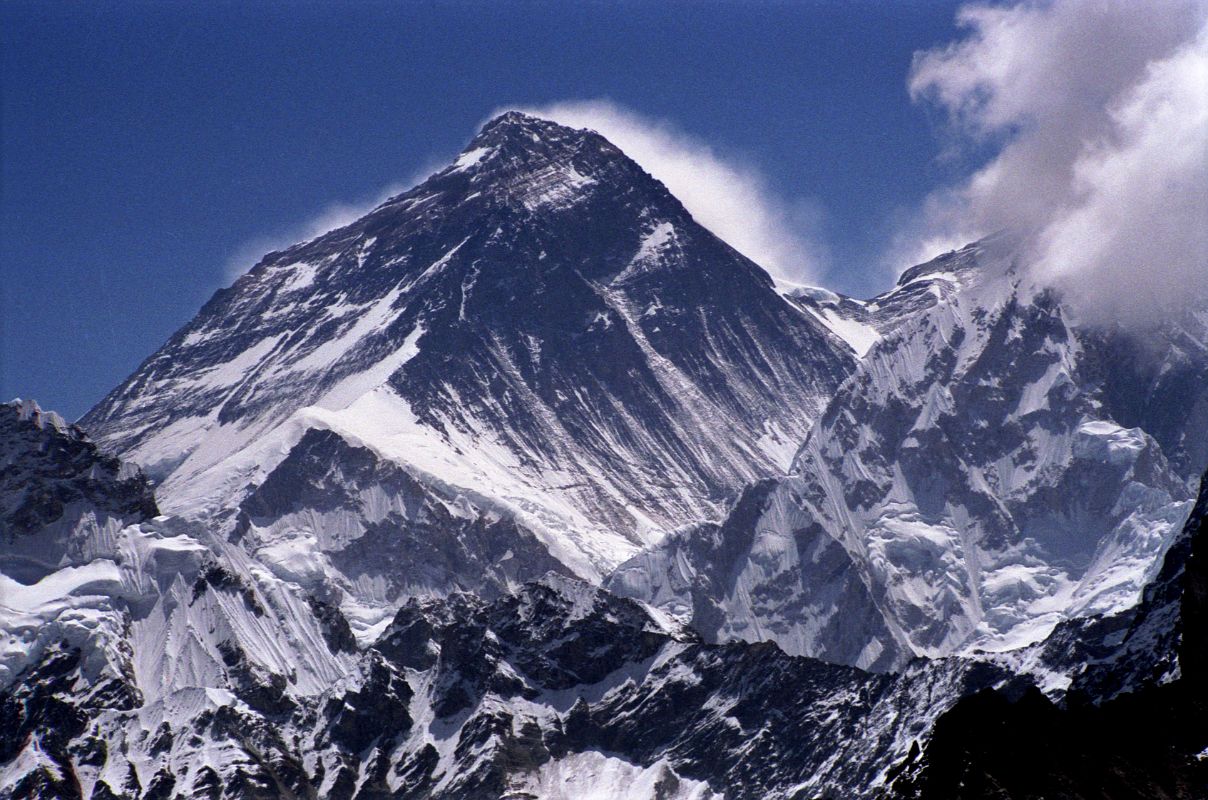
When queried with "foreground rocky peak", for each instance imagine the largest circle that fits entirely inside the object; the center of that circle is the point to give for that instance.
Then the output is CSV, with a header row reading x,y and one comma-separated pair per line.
x,y
60,496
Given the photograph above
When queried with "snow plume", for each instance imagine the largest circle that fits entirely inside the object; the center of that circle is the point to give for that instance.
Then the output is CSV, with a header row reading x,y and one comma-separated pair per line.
x,y
731,199
1096,113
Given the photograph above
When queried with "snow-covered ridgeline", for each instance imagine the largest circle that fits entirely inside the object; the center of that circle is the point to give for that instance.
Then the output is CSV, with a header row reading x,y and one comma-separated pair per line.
x,y
968,488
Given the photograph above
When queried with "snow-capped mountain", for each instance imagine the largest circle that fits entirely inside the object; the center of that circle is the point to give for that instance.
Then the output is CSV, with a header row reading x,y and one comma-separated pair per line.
x,y
525,485
970,486
192,673
541,327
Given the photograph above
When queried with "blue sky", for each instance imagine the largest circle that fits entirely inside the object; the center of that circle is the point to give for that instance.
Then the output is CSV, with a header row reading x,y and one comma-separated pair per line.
x,y
146,146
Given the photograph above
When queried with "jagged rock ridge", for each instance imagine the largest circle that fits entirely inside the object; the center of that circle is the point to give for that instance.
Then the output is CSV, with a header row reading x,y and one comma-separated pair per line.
x,y
197,674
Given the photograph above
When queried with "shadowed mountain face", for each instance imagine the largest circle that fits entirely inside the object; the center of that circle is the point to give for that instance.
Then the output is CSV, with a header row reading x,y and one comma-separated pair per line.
x,y
60,496
540,323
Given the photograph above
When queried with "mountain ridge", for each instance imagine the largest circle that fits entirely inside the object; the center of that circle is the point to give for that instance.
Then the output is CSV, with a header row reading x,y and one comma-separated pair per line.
x,y
555,689
969,485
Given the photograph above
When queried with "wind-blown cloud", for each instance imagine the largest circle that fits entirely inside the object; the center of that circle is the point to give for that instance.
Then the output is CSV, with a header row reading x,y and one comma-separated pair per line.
x,y
731,199
1097,115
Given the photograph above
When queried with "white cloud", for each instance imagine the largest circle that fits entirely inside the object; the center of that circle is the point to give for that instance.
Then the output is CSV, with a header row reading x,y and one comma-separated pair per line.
x,y
1132,244
731,199
1098,116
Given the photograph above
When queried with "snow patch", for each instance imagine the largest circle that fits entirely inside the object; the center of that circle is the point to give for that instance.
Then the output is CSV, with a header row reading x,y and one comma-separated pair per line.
x,y
593,775
858,335
470,158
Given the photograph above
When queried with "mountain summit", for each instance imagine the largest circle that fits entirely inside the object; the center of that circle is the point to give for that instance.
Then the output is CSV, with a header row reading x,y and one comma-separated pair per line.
x,y
540,328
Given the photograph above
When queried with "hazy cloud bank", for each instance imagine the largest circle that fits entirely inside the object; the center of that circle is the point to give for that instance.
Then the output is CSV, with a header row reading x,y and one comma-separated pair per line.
x,y
1101,109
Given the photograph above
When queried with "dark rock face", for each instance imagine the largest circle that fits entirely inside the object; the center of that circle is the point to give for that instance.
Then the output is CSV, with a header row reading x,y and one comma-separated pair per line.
x,y
57,489
336,630
746,719
1138,746
1193,605
217,577
44,706
377,708
47,465
557,633
1159,382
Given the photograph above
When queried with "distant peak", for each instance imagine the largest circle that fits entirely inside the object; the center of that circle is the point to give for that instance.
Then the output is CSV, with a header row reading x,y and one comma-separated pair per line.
x,y
520,132
512,123
998,248
537,162
30,411
515,119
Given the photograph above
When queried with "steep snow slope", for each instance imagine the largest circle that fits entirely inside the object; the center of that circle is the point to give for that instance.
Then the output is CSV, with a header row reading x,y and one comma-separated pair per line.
x,y
1134,725
767,572
362,532
849,319
540,324
125,618
967,488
